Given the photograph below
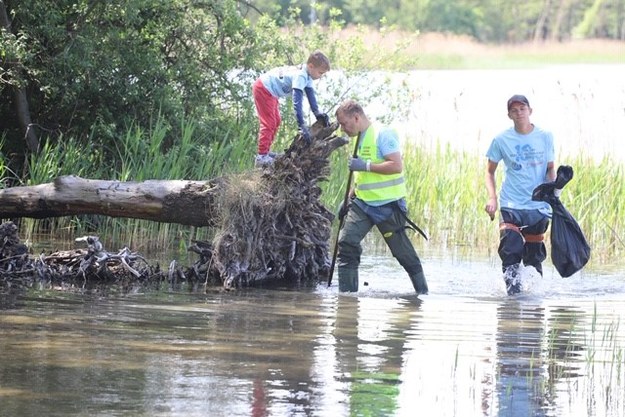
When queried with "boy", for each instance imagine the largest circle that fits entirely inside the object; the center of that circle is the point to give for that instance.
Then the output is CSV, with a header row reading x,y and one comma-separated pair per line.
x,y
280,82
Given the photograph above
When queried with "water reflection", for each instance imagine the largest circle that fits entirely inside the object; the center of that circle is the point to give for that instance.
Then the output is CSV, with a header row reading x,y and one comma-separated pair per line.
x,y
528,354
465,350
369,338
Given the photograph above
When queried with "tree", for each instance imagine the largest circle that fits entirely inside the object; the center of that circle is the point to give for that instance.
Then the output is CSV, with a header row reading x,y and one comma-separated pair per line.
x,y
12,75
90,68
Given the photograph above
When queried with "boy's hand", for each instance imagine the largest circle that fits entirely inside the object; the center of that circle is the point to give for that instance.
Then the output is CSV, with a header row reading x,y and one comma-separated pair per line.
x,y
323,118
305,132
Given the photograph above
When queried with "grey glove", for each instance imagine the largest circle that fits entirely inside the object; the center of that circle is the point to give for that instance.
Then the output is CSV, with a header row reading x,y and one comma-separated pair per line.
x,y
305,132
323,118
357,164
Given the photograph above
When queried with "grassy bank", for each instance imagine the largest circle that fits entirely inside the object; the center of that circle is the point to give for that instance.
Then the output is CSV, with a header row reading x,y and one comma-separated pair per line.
x,y
443,51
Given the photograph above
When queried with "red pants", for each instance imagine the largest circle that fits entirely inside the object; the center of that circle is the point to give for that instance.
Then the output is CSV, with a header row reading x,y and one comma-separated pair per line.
x,y
268,110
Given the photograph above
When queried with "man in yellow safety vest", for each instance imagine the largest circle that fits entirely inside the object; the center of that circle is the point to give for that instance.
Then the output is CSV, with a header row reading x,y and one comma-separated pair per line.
x,y
378,199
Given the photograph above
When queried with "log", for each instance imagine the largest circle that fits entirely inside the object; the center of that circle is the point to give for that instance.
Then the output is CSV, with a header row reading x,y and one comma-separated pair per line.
x,y
168,201
270,222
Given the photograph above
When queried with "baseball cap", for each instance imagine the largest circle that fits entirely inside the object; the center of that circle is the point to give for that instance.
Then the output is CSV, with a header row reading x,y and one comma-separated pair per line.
x,y
518,98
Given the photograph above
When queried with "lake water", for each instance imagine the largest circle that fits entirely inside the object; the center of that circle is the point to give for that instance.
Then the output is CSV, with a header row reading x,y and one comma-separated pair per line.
x,y
583,105
466,349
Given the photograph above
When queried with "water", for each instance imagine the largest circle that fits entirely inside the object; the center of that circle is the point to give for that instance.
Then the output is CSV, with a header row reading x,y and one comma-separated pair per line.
x,y
583,105
467,349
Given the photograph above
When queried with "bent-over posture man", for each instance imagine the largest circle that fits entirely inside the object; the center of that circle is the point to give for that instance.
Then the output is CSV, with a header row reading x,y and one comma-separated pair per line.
x,y
378,199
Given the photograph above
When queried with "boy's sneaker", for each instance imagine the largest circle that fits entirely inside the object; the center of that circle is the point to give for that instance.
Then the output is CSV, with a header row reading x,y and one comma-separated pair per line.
x,y
263,160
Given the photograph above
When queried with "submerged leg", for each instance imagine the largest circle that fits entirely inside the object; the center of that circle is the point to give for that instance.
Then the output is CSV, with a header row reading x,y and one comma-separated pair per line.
x,y
402,249
348,279
356,227
512,279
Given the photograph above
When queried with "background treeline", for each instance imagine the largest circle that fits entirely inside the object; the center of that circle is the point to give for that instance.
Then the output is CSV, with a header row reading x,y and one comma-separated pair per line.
x,y
484,20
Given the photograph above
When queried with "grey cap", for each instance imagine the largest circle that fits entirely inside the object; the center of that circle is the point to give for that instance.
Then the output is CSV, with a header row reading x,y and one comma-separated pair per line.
x,y
518,98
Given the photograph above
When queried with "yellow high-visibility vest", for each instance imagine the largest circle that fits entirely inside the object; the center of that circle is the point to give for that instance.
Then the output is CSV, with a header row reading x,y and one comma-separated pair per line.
x,y
371,186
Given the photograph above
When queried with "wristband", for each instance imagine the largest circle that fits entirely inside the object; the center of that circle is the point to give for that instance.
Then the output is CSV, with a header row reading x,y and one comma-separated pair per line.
x,y
368,166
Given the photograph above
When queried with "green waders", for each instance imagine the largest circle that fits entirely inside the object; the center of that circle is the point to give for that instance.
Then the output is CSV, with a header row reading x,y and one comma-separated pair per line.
x,y
357,225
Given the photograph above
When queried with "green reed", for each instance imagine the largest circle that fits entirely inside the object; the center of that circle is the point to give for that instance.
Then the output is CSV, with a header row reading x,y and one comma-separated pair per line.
x,y
596,197
446,192
138,156
447,195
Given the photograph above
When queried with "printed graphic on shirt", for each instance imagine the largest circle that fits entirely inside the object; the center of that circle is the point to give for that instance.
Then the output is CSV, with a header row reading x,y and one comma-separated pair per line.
x,y
526,155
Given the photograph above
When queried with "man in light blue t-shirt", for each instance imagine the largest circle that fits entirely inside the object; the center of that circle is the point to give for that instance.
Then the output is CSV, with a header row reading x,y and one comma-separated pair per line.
x,y
527,152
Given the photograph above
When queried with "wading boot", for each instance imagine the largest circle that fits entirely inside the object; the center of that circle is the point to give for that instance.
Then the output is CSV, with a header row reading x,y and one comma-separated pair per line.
x,y
512,279
419,283
348,280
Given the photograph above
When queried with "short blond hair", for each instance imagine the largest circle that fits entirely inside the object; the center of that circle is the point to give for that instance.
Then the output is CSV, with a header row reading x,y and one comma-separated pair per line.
x,y
319,60
350,108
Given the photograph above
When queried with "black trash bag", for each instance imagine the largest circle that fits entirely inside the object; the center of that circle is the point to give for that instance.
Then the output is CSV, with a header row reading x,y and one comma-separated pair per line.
x,y
545,191
569,249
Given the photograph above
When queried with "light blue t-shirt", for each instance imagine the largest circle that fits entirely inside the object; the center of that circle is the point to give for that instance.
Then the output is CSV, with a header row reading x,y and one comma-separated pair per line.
x,y
282,80
525,157
387,141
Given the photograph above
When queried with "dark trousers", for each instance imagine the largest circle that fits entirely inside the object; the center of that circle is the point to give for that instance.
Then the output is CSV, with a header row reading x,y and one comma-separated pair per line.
x,y
512,245
358,224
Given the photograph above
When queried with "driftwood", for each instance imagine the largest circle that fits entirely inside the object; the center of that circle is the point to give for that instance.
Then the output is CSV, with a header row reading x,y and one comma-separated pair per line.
x,y
270,223
78,267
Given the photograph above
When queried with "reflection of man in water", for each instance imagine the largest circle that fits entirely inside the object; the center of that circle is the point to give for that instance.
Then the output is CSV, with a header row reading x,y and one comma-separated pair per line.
x,y
370,348
526,371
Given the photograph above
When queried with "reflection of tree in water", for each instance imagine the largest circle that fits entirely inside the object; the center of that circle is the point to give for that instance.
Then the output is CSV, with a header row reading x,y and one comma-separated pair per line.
x,y
370,339
533,347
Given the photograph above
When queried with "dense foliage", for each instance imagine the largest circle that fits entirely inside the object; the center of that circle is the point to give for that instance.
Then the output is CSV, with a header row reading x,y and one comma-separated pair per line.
x,y
485,20
91,69
94,72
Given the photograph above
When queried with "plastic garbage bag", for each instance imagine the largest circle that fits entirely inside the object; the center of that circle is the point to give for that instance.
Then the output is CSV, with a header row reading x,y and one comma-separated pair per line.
x,y
569,249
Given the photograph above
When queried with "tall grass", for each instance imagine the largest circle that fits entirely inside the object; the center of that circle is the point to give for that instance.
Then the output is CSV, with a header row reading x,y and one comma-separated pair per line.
x,y
138,156
447,194
446,188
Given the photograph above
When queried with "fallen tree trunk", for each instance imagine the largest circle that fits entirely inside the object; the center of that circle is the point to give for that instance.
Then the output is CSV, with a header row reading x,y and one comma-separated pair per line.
x,y
270,223
168,201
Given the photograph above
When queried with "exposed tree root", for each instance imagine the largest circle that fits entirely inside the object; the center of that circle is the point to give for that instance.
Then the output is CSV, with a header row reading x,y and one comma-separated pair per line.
x,y
271,227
